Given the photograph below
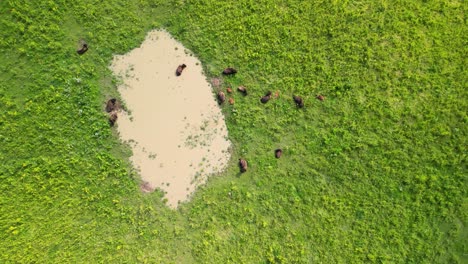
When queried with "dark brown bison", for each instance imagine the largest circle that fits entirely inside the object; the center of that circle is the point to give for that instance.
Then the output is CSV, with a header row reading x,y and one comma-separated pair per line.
x,y
242,89
111,105
83,49
298,100
229,71
180,69
113,118
266,98
221,97
242,165
320,97
278,153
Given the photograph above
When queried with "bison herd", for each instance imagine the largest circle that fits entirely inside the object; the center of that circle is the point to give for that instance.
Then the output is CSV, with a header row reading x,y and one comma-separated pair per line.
x,y
221,98
113,106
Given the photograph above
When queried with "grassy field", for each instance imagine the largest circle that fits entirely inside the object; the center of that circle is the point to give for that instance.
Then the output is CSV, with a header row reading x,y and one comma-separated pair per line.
x,y
376,173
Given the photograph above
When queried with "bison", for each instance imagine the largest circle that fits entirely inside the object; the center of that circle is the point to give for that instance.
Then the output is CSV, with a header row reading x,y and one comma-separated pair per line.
x,y
320,97
266,98
111,105
113,118
242,165
298,100
278,153
229,71
83,49
221,97
242,89
180,69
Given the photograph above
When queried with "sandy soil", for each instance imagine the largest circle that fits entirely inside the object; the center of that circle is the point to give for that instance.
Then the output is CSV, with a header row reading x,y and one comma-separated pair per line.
x,y
175,127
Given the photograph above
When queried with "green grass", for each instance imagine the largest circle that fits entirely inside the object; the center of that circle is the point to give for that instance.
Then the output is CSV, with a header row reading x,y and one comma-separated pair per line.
x,y
376,173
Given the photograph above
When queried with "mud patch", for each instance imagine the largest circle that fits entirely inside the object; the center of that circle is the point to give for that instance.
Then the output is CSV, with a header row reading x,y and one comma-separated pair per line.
x,y
175,128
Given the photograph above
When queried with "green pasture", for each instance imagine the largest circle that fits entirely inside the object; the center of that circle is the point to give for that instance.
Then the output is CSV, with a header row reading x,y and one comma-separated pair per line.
x,y
376,173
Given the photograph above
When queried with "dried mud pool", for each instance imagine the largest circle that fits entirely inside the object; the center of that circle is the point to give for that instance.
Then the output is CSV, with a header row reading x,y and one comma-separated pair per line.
x,y
175,127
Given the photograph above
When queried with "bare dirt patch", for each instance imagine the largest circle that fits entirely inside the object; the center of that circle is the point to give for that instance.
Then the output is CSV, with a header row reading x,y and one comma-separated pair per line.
x,y
175,127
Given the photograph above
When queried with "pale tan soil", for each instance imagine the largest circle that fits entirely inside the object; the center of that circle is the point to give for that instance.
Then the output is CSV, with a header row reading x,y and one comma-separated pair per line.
x,y
176,129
